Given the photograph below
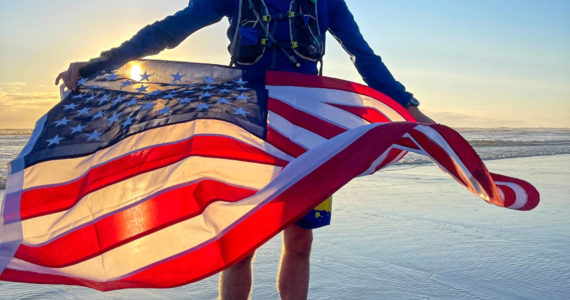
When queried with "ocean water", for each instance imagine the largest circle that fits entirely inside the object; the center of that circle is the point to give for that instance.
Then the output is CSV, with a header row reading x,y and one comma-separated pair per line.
x,y
411,232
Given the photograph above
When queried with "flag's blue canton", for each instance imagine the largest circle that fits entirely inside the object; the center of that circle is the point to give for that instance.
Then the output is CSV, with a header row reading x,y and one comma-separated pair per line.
x,y
97,116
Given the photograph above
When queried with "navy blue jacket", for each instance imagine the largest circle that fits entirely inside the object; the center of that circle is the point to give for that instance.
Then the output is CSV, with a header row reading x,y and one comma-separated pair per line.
x,y
334,17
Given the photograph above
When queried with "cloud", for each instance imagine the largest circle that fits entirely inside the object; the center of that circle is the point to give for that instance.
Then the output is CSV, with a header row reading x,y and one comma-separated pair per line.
x,y
13,85
17,96
473,119
21,105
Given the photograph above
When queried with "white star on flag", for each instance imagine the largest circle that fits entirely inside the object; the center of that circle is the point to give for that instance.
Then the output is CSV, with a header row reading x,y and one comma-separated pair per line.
x,y
146,76
103,99
148,105
77,128
127,122
62,122
114,118
97,116
240,81
177,77
69,106
91,98
209,80
125,83
142,88
118,100
131,102
112,77
240,111
242,97
203,106
95,135
83,111
55,140
164,110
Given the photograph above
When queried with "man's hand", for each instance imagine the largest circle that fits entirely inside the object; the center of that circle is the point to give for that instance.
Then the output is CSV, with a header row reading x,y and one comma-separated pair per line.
x,y
418,115
71,76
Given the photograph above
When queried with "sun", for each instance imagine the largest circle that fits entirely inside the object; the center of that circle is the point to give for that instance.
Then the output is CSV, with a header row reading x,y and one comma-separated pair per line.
x,y
136,72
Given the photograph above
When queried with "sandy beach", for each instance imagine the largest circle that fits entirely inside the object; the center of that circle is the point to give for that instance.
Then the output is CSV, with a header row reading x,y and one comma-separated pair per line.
x,y
411,232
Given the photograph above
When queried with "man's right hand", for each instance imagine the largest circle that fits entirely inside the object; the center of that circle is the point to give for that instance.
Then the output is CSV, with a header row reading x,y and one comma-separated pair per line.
x,y
71,76
418,115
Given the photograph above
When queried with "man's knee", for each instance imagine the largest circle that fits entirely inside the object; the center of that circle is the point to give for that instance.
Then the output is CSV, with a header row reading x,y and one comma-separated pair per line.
x,y
244,263
298,241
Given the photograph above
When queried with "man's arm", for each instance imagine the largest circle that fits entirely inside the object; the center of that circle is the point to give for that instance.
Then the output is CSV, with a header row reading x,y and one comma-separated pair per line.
x,y
171,31
152,39
370,66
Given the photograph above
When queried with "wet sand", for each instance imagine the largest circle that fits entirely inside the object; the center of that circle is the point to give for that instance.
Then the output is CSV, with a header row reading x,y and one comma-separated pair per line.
x,y
412,233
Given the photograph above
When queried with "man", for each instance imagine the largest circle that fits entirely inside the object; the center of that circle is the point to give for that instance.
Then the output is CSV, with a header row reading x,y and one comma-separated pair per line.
x,y
286,35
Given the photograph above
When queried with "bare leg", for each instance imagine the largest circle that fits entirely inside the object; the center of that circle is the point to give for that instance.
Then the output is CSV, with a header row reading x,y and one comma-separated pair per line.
x,y
293,281
235,282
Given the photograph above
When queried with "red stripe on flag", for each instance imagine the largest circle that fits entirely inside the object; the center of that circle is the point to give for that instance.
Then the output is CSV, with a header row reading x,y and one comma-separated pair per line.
x,y
369,114
164,210
283,143
305,120
311,81
408,143
48,200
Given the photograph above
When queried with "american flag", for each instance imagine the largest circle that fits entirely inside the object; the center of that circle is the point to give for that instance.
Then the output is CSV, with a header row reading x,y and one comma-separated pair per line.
x,y
162,173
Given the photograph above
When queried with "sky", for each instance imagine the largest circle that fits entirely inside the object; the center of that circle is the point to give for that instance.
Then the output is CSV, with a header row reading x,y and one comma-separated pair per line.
x,y
471,63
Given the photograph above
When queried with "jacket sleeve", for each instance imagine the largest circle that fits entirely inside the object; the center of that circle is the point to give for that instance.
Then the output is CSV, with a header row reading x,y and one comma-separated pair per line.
x,y
370,66
167,33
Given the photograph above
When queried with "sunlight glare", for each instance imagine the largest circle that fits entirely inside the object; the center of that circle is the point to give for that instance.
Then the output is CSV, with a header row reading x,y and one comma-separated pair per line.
x,y
136,72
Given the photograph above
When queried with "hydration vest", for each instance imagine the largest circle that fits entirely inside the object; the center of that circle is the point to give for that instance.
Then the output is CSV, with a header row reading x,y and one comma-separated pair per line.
x,y
256,30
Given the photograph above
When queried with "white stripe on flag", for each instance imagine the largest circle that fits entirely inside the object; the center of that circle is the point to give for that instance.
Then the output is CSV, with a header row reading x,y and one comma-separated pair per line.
x,y
299,135
521,195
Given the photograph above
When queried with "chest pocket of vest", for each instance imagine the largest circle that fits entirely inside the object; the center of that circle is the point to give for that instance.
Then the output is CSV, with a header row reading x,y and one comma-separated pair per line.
x,y
249,48
251,38
306,31
246,47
